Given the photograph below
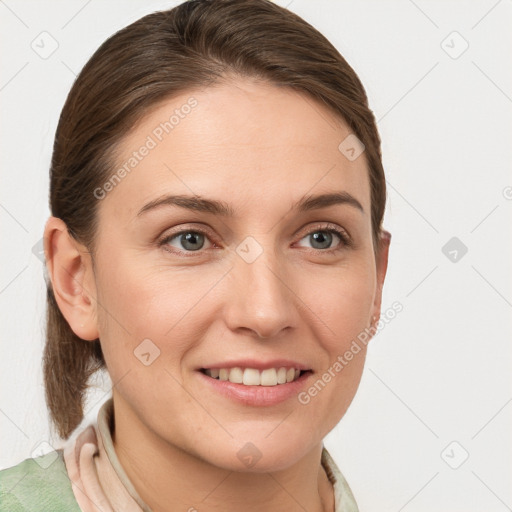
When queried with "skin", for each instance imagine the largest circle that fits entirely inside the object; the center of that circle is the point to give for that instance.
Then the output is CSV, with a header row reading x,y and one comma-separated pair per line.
x,y
259,148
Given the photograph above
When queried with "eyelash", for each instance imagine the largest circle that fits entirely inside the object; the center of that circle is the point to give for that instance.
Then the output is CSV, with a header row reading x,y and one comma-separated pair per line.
x,y
345,240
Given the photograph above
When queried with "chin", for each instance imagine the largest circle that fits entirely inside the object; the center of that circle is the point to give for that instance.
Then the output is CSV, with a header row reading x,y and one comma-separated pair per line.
x,y
258,454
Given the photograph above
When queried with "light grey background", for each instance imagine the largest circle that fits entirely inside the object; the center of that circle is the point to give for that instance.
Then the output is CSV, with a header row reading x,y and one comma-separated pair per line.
x,y
436,388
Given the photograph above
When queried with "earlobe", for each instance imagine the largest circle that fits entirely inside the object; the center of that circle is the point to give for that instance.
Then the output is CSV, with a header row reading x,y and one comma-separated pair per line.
x,y
70,271
382,266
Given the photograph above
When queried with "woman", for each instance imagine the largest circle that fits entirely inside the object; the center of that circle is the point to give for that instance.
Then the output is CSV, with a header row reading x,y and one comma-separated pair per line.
x,y
216,244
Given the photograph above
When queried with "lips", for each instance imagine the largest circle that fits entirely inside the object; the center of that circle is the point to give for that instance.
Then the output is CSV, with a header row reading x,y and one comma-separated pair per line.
x,y
269,392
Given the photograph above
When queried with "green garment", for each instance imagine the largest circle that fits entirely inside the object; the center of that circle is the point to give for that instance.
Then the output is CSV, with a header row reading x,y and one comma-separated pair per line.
x,y
40,484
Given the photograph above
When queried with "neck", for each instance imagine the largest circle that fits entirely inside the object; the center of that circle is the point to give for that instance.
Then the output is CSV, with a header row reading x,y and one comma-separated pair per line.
x,y
164,475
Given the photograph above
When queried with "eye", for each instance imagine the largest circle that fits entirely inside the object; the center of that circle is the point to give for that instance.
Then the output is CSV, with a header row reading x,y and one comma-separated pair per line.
x,y
190,241
186,241
324,237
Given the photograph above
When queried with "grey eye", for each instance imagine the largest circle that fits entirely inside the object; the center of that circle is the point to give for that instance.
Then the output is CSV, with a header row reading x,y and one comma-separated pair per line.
x,y
321,239
189,240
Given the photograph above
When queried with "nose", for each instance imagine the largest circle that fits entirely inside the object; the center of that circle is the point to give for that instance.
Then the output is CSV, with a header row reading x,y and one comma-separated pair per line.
x,y
261,299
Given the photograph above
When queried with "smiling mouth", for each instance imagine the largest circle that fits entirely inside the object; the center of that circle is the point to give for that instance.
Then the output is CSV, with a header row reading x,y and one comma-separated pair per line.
x,y
254,377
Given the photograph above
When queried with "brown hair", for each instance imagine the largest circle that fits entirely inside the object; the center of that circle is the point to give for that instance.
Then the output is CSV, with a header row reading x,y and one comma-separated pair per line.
x,y
163,54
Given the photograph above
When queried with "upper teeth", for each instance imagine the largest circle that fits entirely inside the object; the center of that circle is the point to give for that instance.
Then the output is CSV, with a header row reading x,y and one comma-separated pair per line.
x,y
253,377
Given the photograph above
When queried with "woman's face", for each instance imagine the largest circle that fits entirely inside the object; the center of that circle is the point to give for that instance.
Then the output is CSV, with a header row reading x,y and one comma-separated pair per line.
x,y
243,270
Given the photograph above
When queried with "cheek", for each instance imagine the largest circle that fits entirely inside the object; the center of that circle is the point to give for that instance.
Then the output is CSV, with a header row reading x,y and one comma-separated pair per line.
x,y
141,302
140,297
341,300
340,305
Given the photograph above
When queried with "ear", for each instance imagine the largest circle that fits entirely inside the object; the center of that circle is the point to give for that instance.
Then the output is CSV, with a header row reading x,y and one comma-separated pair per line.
x,y
382,266
70,270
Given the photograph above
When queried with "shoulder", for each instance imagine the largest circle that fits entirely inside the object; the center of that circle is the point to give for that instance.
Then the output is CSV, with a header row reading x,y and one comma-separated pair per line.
x,y
40,484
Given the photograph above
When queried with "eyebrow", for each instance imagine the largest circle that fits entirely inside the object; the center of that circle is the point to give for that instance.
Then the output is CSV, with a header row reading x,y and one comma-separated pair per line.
x,y
199,204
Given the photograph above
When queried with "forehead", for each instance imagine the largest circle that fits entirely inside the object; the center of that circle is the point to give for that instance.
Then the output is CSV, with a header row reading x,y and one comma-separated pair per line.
x,y
247,142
